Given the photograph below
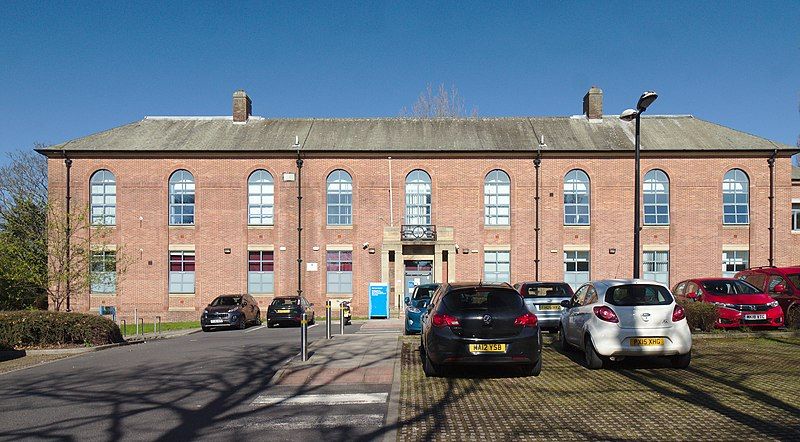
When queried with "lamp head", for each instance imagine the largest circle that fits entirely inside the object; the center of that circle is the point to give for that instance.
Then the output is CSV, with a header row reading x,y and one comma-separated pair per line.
x,y
628,115
646,100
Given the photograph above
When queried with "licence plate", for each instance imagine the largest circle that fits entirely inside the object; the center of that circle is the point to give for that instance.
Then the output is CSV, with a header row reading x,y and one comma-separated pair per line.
x,y
644,342
282,311
487,348
216,321
549,307
755,317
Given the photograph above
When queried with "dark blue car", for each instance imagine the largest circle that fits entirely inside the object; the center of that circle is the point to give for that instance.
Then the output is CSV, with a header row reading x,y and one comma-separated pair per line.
x,y
416,306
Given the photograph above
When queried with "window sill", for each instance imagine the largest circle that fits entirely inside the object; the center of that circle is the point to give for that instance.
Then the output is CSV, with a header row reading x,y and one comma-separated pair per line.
x,y
656,227
263,295
736,226
102,295
182,309
795,232
103,226
493,227
339,295
260,227
336,227
179,227
580,227
181,295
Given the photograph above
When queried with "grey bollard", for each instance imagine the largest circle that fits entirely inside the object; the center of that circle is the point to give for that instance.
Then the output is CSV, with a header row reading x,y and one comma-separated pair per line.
x,y
124,326
140,326
341,319
304,337
328,319
157,325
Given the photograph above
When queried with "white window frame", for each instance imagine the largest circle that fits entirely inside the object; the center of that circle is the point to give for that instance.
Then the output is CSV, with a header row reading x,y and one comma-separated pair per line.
x,y
577,186
418,198
796,216
497,266
736,186
655,266
182,281
338,281
261,282
260,198
181,186
497,198
339,185
656,188
734,261
103,271
572,259
103,198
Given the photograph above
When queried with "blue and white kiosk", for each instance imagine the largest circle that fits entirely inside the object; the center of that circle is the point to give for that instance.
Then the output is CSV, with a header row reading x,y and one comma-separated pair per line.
x,y
378,300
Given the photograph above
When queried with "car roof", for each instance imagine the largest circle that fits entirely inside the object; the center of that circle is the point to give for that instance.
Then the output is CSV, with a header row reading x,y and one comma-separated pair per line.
x,y
463,285
287,297
721,278
605,284
772,270
540,282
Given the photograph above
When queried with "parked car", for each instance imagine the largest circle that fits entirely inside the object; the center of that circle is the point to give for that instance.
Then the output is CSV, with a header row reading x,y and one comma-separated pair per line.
x,y
289,310
613,319
416,306
483,324
781,283
544,300
230,311
739,304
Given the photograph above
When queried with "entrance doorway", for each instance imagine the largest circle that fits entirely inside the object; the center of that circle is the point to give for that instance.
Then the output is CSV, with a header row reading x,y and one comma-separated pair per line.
x,y
417,273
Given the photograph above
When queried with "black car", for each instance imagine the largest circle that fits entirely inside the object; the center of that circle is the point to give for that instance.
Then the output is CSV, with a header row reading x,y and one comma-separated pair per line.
x,y
483,324
289,310
231,311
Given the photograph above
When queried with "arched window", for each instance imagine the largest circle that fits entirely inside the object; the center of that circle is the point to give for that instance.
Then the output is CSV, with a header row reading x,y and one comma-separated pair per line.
x,y
340,198
497,198
735,197
656,198
418,198
181,198
104,198
576,198
260,198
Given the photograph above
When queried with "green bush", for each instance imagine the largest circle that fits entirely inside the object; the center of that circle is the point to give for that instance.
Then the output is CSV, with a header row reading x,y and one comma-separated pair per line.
x,y
41,329
793,318
700,315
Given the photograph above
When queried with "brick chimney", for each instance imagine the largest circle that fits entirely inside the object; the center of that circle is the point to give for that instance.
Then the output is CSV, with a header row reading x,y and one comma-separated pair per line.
x,y
242,106
593,103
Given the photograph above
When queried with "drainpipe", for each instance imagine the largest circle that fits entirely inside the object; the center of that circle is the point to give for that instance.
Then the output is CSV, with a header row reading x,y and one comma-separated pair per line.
x,y
68,229
391,198
771,163
536,163
299,220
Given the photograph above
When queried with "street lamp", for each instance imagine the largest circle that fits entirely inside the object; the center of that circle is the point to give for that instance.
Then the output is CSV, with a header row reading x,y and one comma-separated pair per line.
x,y
645,100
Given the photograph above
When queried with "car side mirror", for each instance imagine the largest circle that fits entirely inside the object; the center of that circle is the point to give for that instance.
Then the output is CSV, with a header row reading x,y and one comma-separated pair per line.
x,y
780,288
408,301
566,303
692,295
423,303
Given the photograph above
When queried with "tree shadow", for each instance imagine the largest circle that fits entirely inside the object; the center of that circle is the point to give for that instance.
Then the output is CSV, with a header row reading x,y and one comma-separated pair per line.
x,y
10,355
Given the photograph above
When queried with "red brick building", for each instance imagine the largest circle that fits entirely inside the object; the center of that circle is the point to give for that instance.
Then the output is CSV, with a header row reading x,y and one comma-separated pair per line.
x,y
208,205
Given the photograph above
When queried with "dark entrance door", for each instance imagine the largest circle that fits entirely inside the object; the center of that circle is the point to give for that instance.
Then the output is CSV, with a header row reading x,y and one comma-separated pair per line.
x,y
417,273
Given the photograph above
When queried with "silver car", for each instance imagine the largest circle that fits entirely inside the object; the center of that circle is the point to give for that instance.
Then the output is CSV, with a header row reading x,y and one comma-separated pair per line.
x,y
543,299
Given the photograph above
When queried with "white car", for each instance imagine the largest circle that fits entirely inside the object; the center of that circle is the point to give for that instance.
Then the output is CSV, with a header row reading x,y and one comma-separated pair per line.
x,y
612,319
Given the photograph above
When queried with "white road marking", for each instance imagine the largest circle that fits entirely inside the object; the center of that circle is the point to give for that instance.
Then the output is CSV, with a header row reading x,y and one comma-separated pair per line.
x,y
254,329
309,422
322,399
312,326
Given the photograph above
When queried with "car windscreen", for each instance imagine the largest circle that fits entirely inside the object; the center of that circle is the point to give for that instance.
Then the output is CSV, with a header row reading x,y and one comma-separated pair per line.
x,y
729,287
795,278
226,300
424,292
547,291
284,302
638,294
482,299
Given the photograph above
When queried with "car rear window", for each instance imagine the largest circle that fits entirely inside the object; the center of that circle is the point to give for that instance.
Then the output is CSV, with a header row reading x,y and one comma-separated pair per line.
x,y
795,278
424,293
547,291
479,299
226,300
638,294
729,287
285,302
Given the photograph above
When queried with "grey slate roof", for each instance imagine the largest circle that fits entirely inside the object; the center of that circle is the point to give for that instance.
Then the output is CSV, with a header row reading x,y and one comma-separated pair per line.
x,y
386,135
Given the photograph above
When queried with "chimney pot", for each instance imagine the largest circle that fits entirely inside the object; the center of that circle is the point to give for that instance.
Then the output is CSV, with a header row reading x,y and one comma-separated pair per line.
x,y
593,103
242,106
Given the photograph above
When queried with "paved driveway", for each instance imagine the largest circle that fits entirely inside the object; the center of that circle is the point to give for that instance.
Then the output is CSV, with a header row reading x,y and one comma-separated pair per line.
x,y
735,389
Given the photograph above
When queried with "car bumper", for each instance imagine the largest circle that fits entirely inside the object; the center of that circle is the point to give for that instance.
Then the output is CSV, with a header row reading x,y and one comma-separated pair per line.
x,y
729,318
413,323
617,341
445,347
284,318
225,322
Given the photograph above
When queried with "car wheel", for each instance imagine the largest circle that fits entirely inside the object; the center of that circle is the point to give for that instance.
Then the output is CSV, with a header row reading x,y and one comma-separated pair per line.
x,y
681,361
533,369
313,320
258,317
431,370
562,339
205,329
593,360
243,323
270,325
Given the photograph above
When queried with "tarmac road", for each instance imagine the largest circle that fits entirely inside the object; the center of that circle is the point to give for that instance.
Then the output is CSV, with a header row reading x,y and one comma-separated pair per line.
x,y
199,386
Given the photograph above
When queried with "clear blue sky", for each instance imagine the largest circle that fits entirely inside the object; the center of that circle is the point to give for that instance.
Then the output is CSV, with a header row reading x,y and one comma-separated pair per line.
x,y
69,69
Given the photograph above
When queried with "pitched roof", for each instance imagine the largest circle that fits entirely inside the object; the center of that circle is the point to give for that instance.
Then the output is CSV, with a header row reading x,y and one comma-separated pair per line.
x,y
683,133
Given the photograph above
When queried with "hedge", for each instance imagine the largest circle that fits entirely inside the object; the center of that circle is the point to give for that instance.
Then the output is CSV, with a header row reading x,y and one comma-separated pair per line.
x,y
42,329
700,315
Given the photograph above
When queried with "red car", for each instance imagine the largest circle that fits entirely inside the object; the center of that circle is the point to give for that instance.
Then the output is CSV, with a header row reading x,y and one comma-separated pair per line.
x,y
782,283
739,303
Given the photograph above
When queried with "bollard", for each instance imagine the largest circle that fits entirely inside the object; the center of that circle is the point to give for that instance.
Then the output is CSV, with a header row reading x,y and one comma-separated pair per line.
x,y
341,319
141,321
328,319
157,325
124,326
304,337
136,321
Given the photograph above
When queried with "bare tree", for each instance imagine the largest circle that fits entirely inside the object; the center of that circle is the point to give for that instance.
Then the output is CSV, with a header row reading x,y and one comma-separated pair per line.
x,y
441,104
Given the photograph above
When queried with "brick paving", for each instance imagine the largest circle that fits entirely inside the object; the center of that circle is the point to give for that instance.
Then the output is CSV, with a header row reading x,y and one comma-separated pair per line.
x,y
735,389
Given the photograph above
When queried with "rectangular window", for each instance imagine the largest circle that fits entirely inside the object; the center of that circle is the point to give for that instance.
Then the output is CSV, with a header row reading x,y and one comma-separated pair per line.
x,y
261,272
104,272
181,272
576,267
734,261
497,266
656,266
340,272
796,217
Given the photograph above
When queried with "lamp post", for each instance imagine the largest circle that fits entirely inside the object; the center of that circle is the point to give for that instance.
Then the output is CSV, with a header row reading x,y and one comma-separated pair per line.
x,y
645,100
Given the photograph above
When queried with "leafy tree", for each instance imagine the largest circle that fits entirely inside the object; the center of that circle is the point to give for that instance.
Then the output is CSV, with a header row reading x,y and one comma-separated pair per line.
x,y
441,104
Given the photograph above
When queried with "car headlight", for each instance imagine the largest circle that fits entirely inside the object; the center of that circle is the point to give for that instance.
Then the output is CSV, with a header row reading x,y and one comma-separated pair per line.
x,y
413,310
773,304
724,305
233,310
205,312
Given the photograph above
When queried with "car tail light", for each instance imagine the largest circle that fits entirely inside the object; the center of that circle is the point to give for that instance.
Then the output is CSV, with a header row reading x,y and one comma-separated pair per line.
x,y
678,314
606,314
527,320
442,320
